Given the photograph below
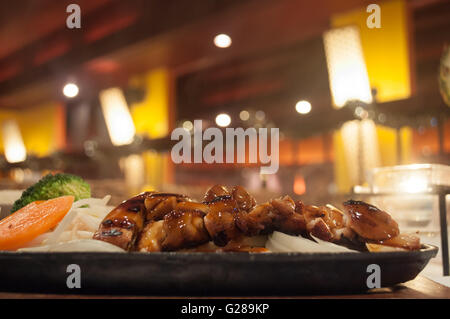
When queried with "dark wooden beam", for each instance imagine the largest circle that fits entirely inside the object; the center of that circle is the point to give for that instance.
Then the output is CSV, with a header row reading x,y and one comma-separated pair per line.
x,y
140,19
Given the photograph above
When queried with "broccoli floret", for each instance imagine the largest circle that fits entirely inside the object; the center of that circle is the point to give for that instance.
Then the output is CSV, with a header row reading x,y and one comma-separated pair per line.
x,y
52,186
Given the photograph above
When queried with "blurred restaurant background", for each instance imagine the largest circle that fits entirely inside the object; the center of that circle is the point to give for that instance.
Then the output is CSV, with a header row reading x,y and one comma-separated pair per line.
x,y
348,97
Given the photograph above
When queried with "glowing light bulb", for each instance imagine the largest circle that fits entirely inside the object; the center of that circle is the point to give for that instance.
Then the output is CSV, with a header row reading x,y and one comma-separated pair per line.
x,y
223,120
414,184
260,115
188,126
347,70
117,116
244,115
15,151
299,185
222,40
70,90
303,107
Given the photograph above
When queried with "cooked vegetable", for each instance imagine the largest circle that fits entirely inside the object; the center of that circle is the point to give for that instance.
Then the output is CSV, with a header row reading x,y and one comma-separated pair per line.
x,y
280,242
79,245
31,221
53,186
80,218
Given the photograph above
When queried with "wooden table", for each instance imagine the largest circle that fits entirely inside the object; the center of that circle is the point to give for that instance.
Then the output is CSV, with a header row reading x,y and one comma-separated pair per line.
x,y
419,288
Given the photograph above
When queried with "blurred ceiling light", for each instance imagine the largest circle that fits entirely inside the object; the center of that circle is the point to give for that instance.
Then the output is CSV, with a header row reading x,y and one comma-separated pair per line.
x,y
414,184
382,117
346,66
15,151
361,113
188,126
303,107
223,120
360,150
134,170
117,116
358,111
222,40
299,184
260,115
244,115
70,90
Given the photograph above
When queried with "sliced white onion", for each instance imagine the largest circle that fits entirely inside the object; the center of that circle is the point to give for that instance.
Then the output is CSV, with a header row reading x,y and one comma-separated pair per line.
x,y
96,207
276,247
333,246
73,235
62,226
92,201
97,211
79,245
88,222
376,248
280,242
39,240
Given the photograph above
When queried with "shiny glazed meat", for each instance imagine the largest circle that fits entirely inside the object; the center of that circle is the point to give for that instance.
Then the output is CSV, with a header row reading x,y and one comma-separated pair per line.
x,y
220,219
183,229
168,222
369,222
124,223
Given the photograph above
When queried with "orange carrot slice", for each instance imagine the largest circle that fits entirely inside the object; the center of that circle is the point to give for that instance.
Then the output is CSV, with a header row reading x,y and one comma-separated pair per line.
x,y
31,221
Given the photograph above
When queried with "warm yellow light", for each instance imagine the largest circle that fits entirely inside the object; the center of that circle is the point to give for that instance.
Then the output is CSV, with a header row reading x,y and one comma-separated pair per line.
x,y
346,66
188,126
133,167
299,185
303,107
117,116
222,41
15,151
223,120
260,115
244,115
361,151
414,184
70,90
387,49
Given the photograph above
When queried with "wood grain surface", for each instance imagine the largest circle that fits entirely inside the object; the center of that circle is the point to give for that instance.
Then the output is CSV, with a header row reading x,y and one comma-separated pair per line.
x,y
419,288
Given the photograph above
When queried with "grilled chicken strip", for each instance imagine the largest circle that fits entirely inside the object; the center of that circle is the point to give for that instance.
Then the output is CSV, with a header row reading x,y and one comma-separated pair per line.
x,y
224,206
360,223
214,192
182,227
151,237
166,222
278,214
243,200
375,226
189,223
402,241
184,230
327,223
369,222
220,220
157,205
124,223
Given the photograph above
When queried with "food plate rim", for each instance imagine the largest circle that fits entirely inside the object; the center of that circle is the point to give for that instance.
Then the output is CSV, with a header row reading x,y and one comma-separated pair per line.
x,y
425,249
